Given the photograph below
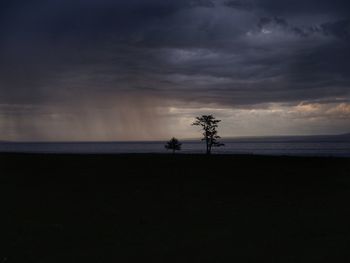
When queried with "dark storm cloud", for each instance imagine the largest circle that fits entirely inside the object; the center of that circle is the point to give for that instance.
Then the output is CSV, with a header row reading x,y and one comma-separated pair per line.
x,y
340,28
226,52
240,4
309,7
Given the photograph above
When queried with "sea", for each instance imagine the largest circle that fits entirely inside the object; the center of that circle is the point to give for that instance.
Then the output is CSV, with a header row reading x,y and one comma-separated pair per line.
x,y
334,146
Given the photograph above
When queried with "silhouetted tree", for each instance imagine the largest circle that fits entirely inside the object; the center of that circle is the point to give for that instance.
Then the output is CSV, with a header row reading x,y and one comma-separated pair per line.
x,y
210,135
173,145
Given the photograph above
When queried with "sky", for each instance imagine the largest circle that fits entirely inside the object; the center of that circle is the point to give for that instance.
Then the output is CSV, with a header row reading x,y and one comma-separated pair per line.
x,y
101,70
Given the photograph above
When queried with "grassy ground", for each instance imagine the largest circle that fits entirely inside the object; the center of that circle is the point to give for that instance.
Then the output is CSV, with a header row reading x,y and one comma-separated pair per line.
x,y
182,208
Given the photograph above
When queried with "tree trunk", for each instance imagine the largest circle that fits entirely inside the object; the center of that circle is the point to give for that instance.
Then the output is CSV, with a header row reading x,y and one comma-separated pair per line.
x,y
210,143
208,151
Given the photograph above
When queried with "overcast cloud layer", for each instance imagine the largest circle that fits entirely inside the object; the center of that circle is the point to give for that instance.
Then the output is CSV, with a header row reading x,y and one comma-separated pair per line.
x,y
103,69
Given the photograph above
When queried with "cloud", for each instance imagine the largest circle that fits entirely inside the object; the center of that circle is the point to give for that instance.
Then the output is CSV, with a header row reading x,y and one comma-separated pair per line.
x,y
299,7
240,4
118,43
339,29
232,54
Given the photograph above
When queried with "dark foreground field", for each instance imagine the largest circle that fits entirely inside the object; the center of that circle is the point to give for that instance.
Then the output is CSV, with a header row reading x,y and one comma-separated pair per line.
x,y
183,208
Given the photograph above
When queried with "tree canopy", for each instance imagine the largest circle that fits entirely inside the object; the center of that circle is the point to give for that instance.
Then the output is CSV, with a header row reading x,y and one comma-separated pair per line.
x,y
209,126
173,145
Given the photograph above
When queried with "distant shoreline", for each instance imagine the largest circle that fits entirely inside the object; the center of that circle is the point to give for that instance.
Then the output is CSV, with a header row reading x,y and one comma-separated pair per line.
x,y
287,146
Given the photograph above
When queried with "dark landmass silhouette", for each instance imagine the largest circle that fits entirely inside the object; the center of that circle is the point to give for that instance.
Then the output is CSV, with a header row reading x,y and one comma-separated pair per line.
x,y
182,208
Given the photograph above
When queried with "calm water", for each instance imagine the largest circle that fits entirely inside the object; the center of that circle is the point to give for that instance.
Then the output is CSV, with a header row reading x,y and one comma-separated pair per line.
x,y
301,146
